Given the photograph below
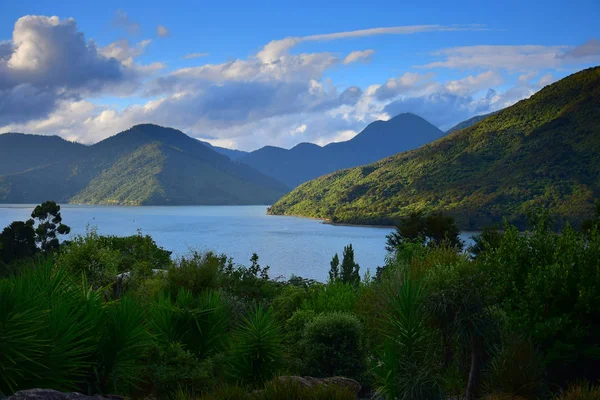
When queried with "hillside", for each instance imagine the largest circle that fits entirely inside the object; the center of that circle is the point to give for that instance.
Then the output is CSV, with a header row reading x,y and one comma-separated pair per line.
x,y
541,151
146,164
231,153
469,122
20,152
378,140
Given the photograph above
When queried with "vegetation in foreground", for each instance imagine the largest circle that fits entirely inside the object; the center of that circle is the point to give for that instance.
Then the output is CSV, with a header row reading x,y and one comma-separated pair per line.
x,y
513,317
540,152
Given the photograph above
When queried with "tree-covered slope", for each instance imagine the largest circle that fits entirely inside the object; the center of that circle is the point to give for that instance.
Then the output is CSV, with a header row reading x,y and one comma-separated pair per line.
x,y
307,161
541,151
146,164
20,152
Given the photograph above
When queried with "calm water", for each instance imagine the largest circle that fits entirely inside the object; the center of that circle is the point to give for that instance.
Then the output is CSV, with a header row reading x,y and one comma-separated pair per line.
x,y
289,245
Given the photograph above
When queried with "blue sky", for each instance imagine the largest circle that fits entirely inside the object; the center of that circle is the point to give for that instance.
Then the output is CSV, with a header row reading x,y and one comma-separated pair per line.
x,y
345,66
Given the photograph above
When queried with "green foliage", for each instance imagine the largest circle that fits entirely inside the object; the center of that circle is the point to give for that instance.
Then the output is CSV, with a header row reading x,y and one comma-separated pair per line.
x,y
541,152
196,273
288,301
515,368
294,328
334,270
17,241
349,270
408,367
580,391
125,339
50,224
198,322
336,296
434,229
172,368
333,345
256,352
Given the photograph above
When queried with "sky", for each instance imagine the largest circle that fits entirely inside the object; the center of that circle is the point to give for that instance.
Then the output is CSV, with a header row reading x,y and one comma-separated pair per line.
x,y
245,74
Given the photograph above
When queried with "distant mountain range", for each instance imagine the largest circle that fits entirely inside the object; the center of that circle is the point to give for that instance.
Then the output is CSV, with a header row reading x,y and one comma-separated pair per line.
x,y
307,161
543,151
146,164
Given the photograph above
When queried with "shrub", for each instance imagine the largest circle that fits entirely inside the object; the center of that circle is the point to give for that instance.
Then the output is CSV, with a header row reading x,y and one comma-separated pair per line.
x,y
172,368
333,346
516,368
334,296
256,352
288,301
196,273
580,391
199,322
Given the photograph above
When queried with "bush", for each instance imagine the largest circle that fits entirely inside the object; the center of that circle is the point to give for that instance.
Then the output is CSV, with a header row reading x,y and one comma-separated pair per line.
x,y
288,301
581,391
196,273
515,368
257,351
333,346
174,368
200,323
334,296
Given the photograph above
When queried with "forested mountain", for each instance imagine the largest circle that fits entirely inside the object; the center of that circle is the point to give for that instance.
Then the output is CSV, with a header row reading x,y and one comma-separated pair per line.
x,y
231,153
146,164
469,122
20,152
378,140
543,151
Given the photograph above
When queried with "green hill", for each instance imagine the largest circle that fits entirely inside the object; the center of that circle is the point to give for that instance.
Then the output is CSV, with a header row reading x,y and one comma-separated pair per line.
x,y
543,151
20,152
146,164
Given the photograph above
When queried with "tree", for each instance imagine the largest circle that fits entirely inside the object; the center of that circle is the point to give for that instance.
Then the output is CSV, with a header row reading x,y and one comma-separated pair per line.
x,y
440,228
434,229
409,229
349,271
49,225
589,224
17,241
334,271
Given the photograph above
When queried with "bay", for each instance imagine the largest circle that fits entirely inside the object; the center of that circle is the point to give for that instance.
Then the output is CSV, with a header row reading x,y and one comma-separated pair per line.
x,y
289,245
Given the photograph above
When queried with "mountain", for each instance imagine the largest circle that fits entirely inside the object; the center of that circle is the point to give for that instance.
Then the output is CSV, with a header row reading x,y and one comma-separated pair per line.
x,y
231,153
20,152
543,151
469,122
147,164
307,161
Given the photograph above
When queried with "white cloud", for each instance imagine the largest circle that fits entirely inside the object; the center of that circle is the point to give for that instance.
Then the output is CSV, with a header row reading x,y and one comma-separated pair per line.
x,y
273,50
194,55
122,20
516,57
407,83
364,56
472,84
162,31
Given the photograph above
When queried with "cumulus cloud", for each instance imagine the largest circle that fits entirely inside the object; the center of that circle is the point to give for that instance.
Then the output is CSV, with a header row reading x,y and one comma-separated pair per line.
x,y
122,20
409,82
472,84
48,61
364,56
162,31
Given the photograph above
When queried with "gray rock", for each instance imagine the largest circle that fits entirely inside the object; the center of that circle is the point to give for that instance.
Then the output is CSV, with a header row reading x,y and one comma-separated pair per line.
x,y
49,394
309,381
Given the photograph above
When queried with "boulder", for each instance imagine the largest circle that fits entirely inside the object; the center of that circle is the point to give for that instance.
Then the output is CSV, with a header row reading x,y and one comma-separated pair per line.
x,y
309,381
49,394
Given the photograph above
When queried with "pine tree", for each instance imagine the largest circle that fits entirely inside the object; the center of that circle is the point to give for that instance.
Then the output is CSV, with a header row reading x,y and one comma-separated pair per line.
x,y
350,271
334,271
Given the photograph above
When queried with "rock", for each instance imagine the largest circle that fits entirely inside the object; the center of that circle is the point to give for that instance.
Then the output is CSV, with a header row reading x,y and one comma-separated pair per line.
x,y
48,394
340,381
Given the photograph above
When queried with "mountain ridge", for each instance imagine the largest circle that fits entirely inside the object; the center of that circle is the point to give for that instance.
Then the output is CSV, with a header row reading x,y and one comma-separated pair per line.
x,y
541,152
377,140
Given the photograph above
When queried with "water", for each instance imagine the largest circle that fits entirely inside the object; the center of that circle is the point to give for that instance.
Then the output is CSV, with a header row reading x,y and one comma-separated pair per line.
x,y
289,245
